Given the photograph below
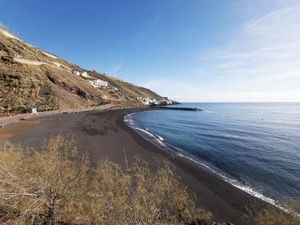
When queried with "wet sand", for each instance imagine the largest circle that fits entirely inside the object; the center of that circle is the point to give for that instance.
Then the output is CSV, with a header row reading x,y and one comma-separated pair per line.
x,y
102,134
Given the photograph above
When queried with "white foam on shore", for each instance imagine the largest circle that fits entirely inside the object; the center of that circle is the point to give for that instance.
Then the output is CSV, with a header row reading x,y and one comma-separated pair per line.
x,y
150,135
232,181
144,131
156,135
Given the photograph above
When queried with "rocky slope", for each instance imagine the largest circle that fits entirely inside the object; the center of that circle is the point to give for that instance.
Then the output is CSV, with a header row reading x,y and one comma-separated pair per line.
x,y
31,77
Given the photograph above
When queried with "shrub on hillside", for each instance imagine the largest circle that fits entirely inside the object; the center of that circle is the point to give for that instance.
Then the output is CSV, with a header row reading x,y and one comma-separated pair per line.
x,y
274,216
57,185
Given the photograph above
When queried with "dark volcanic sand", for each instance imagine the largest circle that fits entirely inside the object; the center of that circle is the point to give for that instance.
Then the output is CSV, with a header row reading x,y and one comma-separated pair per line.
x,y
104,135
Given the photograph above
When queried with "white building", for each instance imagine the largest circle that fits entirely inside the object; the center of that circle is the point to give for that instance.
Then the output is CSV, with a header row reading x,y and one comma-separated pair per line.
x,y
146,101
165,101
34,111
76,73
99,83
150,101
85,75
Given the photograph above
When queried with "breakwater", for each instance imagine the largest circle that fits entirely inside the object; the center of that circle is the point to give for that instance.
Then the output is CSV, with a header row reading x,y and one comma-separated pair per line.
x,y
178,108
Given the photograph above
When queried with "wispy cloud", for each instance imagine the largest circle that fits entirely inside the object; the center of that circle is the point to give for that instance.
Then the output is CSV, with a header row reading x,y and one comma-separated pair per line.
x,y
260,63
155,20
147,29
178,89
116,69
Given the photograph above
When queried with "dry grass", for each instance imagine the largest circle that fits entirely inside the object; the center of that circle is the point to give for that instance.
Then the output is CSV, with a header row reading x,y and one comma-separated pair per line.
x,y
52,87
57,185
273,216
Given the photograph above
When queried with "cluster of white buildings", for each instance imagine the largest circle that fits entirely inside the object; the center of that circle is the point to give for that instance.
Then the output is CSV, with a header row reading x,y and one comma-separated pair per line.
x,y
153,101
166,101
97,83
149,101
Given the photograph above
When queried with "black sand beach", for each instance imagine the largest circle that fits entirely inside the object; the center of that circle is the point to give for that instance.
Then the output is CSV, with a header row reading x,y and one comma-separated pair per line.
x,y
104,135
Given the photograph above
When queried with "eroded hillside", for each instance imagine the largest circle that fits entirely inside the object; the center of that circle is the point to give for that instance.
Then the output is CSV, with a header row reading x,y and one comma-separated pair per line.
x,y
30,77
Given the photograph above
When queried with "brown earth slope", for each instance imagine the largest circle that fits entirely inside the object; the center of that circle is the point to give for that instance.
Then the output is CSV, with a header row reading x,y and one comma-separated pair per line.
x,y
31,77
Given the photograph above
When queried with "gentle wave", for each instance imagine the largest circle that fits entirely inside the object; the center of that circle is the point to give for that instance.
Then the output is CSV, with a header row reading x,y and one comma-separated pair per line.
x,y
152,136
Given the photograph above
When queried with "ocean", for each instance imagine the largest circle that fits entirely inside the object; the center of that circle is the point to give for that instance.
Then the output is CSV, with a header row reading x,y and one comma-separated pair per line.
x,y
253,146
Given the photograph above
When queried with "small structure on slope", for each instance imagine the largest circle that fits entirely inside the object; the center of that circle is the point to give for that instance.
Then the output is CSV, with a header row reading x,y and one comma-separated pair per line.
x,y
150,101
98,83
85,75
166,101
34,111
153,101
76,73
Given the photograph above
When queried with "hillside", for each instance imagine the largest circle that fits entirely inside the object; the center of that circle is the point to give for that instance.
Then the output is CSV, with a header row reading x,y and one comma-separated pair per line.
x,y
31,77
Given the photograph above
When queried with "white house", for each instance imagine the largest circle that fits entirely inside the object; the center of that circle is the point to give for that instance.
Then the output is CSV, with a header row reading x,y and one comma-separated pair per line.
x,y
85,75
34,111
150,101
99,83
165,101
146,101
76,73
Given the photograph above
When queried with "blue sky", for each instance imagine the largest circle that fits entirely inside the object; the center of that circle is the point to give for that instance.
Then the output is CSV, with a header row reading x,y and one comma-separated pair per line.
x,y
189,50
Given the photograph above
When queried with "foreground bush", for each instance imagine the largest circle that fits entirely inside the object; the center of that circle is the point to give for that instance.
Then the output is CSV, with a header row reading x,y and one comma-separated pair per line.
x,y
273,216
57,185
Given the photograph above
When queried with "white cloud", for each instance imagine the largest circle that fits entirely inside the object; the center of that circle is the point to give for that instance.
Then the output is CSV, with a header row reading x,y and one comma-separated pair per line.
x,y
261,63
190,91
155,21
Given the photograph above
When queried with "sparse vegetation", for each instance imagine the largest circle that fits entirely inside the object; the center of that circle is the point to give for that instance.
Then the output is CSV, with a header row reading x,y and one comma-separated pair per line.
x,y
57,185
273,216
51,84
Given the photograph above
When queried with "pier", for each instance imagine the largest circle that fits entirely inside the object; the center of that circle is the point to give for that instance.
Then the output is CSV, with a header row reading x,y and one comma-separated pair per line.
x,y
178,108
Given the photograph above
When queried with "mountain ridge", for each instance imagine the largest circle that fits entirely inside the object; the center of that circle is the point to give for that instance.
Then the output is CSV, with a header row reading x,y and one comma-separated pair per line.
x,y
31,77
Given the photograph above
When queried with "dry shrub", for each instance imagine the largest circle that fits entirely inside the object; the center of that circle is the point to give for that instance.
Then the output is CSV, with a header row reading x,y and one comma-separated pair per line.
x,y
273,216
294,206
57,185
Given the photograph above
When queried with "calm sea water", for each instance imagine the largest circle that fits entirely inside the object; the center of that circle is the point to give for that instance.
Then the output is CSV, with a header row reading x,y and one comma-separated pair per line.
x,y
254,146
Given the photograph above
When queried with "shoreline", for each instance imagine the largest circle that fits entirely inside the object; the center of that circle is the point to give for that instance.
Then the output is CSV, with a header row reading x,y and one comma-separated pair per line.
x,y
103,134
154,138
200,173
